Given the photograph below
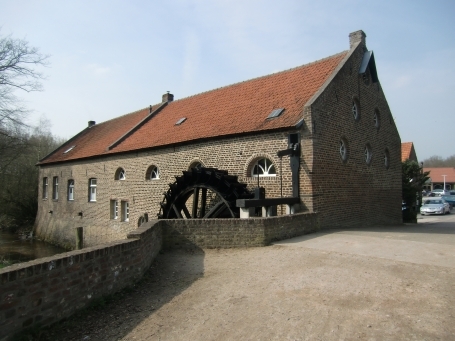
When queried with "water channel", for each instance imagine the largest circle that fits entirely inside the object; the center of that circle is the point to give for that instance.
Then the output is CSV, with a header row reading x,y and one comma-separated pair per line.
x,y
14,249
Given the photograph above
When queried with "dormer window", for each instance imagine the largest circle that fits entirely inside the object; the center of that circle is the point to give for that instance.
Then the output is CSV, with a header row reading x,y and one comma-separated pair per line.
x,y
69,149
276,113
180,121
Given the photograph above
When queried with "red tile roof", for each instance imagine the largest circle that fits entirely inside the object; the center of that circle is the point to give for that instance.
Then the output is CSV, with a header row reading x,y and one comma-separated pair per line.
x,y
235,109
436,174
408,152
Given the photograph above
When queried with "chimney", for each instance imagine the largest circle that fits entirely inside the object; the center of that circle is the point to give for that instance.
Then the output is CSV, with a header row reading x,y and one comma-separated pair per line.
x,y
91,123
356,37
168,97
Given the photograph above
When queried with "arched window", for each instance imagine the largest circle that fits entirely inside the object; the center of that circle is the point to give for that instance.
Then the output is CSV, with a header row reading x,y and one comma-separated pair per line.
x,y
263,167
153,173
196,164
120,174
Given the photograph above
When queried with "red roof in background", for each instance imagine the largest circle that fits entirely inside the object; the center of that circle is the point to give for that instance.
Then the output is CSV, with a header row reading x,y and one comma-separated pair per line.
x,y
235,109
436,174
408,152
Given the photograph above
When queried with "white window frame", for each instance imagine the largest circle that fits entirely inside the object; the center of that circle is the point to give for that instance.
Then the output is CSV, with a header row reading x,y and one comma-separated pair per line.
x,y
45,187
264,170
125,207
55,188
153,173
92,190
70,190
114,209
120,174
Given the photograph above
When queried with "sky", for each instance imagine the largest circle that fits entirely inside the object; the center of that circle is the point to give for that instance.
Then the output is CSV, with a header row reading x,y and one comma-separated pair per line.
x,y
108,58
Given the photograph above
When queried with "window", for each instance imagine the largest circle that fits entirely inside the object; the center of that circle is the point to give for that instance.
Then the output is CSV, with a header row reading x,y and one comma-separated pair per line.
x,y
343,150
355,110
196,164
125,211
92,190
386,159
120,174
45,187
114,209
180,121
152,173
70,190
55,188
376,119
263,167
275,113
368,154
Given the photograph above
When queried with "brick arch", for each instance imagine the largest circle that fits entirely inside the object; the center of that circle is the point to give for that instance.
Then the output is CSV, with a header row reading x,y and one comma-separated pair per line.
x,y
250,162
194,162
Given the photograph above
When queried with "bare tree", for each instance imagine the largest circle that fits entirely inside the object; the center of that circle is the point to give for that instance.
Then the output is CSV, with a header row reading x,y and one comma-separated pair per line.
x,y
18,62
18,143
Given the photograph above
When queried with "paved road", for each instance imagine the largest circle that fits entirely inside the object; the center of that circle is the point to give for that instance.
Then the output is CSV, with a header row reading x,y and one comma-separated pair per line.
x,y
431,241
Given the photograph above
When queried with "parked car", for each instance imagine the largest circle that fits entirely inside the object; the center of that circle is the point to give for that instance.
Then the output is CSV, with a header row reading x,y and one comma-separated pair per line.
x,y
434,206
437,192
450,199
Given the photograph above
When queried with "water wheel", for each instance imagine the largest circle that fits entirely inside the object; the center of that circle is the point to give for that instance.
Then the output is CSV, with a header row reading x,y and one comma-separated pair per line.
x,y
203,193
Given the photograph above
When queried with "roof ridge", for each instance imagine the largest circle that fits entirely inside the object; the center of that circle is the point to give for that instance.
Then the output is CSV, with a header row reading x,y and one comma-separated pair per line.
x,y
264,76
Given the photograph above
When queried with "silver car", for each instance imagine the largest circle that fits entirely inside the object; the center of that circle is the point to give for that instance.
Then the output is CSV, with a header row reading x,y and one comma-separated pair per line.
x,y
434,206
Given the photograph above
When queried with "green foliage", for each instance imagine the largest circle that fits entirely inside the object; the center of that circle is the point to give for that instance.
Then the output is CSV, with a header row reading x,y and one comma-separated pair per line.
x,y
413,179
437,161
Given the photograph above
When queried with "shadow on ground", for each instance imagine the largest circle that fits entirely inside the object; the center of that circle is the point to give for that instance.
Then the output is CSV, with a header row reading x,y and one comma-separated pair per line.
x,y
112,318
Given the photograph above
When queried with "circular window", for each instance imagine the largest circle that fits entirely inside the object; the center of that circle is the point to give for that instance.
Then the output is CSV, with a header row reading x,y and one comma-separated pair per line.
x,y
120,174
153,173
386,159
263,167
343,148
355,110
376,119
368,154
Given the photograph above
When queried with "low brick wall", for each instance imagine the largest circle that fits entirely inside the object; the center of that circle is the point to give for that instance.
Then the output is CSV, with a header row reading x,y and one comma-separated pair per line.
x,y
229,233
49,289
46,290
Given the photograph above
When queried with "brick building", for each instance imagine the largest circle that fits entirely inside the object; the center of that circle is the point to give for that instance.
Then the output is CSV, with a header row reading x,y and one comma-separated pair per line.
x,y
112,175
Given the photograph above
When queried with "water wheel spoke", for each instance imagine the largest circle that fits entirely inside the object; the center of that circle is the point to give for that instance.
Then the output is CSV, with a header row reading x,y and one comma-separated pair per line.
x,y
203,202
186,212
215,210
195,201
177,212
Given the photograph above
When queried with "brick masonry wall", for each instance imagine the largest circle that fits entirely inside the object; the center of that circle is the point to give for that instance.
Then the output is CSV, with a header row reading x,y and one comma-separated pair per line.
x,y
47,290
354,193
144,196
229,233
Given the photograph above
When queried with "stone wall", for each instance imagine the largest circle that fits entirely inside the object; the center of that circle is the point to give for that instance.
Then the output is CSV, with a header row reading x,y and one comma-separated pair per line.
x,y
57,220
46,290
228,233
353,192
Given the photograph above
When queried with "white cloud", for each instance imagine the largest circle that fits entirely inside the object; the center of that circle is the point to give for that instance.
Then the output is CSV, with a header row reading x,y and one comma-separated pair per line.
x,y
98,70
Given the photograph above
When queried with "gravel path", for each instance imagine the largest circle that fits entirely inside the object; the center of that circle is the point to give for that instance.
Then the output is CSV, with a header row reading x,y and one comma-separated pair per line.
x,y
306,289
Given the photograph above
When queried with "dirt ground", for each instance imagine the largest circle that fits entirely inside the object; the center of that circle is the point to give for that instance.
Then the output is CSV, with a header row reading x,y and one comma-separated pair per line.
x,y
359,284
